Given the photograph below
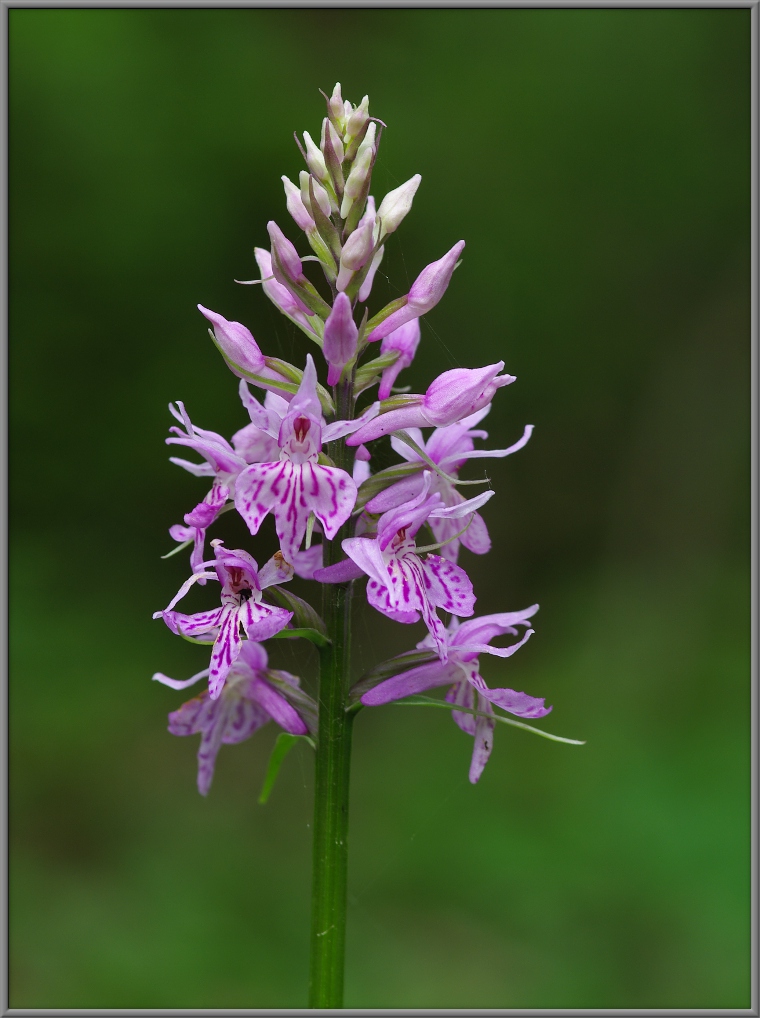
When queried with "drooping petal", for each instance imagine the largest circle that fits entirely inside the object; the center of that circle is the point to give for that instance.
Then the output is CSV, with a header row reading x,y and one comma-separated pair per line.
x,y
481,750
463,695
379,598
521,704
243,718
193,625
416,680
277,707
211,740
226,649
476,538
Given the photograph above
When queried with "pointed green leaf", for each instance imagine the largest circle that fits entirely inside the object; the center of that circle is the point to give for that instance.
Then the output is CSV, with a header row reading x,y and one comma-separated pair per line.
x,y
369,372
387,311
305,634
283,745
387,669
429,701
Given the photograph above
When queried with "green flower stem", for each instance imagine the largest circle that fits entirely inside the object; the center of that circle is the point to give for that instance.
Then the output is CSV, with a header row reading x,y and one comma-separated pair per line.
x,y
333,760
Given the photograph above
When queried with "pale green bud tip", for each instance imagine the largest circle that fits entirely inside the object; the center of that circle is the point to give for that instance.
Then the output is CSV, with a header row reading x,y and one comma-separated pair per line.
x,y
397,203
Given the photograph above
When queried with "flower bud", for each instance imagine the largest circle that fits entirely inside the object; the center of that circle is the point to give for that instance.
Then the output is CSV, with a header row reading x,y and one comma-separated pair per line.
x,y
340,337
460,392
284,253
279,295
355,254
366,288
329,134
314,159
357,119
323,198
337,107
297,207
236,342
396,204
426,291
356,179
405,340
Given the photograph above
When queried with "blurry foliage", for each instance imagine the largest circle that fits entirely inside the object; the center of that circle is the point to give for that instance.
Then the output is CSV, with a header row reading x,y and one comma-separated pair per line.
x,y
597,163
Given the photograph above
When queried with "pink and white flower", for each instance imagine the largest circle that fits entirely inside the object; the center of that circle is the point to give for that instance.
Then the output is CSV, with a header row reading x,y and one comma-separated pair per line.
x,y
449,448
241,607
464,643
402,585
298,485
252,696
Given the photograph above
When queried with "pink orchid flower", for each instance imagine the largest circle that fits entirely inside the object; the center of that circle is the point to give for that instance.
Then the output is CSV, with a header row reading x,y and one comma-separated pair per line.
x,y
449,448
297,484
242,586
252,696
465,642
402,585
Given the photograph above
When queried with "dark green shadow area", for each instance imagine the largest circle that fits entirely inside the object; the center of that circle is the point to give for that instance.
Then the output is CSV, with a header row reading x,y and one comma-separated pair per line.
x,y
597,164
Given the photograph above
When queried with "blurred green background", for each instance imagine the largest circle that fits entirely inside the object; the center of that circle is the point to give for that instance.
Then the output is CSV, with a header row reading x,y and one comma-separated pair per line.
x,y
597,164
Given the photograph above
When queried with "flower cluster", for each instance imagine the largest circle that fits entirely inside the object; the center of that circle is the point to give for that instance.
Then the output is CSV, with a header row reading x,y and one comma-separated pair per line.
x,y
305,459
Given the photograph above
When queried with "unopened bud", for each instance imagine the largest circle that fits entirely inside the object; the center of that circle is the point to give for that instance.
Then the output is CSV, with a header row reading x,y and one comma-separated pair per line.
x,y
357,119
337,107
296,206
314,159
356,179
236,343
396,204
366,287
285,253
355,254
323,198
340,338
329,132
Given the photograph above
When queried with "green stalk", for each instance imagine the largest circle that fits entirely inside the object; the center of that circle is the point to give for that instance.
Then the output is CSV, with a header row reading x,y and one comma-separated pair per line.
x,y
333,759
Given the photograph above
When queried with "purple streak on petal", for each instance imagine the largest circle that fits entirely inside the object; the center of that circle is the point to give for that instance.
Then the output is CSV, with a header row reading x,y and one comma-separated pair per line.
x,y
193,716
448,586
378,598
521,704
277,707
481,750
340,572
243,718
263,621
226,649
416,680
366,553
463,695
211,740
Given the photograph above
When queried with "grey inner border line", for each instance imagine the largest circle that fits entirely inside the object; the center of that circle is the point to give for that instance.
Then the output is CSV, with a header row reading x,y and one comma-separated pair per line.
x,y
5,6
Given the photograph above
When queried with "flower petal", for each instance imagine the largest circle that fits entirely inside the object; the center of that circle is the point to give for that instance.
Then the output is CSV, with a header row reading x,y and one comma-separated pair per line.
x,y
262,621
481,750
463,695
226,650
416,680
377,596
448,586
277,707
